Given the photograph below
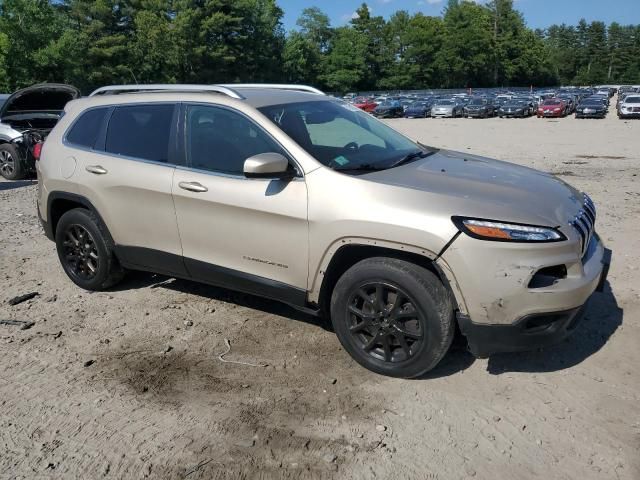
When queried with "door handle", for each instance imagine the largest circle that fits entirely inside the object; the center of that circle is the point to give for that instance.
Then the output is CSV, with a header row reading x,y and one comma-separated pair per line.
x,y
193,187
97,169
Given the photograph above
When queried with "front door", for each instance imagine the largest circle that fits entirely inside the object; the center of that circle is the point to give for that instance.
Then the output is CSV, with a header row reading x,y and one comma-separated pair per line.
x,y
247,234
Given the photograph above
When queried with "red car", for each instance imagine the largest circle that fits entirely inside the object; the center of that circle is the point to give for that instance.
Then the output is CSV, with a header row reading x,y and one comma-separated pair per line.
x,y
553,107
366,104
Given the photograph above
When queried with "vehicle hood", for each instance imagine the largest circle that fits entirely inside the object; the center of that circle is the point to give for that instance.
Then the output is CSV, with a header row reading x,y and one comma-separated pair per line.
x,y
468,185
417,107
39,99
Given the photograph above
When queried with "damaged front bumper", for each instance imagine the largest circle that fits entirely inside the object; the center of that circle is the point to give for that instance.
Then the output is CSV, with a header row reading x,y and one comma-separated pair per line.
x,y
507,308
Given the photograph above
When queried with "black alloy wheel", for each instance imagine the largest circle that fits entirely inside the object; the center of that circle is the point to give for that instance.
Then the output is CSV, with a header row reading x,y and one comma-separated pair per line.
x,y
86,250
393,317
384,322
80,252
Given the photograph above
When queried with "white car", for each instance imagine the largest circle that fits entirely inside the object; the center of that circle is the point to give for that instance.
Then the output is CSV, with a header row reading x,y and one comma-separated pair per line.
x,y
630,107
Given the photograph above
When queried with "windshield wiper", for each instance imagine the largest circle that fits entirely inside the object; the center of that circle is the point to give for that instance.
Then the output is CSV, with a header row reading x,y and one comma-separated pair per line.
x,y
410,158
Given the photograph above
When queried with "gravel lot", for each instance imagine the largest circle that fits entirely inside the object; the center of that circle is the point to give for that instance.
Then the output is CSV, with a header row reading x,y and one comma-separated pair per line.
x,y
156,401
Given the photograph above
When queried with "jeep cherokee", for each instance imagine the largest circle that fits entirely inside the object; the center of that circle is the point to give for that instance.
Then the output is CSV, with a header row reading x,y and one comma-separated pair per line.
x,y
283,192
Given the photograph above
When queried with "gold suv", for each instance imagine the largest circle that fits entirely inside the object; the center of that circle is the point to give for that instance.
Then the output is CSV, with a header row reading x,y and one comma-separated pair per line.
x,y
284,192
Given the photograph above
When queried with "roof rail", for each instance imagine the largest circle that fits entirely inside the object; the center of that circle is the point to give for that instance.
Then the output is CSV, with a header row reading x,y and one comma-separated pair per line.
x,y
118,89
278,86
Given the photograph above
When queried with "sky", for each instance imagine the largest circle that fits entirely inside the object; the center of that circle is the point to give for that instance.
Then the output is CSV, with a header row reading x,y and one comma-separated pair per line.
x,y
537,13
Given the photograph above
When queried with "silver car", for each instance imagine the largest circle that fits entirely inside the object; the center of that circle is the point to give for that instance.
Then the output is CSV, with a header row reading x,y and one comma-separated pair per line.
x,y
283,192
26,118
629,107
451,108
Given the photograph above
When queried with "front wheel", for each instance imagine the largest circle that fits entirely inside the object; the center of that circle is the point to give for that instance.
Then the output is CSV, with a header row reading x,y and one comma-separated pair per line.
x,y
393,317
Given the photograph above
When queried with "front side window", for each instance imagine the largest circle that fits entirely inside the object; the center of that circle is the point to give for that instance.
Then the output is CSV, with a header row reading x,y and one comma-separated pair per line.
x,y
86,128
140,131
339,135
220,140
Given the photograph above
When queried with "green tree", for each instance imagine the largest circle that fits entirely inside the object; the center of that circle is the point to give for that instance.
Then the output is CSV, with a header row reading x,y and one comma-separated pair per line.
x,y
315,26
4,49
466,58
346,68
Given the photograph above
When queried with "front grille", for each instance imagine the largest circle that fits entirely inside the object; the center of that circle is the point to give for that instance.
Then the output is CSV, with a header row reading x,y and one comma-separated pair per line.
x,y
584,223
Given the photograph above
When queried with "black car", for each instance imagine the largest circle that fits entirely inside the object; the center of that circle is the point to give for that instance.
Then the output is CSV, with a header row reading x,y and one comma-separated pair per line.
x,y
514,108
389,109
419,109
479,108
591,108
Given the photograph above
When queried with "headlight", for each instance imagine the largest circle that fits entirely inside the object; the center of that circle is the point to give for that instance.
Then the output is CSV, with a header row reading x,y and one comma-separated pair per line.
x,y
506,232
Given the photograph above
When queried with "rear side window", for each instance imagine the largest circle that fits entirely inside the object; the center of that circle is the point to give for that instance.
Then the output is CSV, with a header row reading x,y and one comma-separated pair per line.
x,y
86,128
140,131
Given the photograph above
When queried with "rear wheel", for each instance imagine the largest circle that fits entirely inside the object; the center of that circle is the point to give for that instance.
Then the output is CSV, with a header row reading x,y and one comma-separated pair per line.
x,y
393,317
85,251
11,166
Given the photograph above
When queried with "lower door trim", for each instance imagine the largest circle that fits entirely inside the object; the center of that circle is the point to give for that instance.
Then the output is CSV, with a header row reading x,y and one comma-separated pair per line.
x,y
146,259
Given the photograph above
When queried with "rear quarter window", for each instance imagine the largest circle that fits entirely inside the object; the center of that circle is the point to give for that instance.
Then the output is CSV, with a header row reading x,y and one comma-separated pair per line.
x,y
86,128
140,131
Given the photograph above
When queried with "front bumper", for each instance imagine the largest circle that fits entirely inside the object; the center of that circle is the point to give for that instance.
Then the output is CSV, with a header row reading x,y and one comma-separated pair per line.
x,y
531,331
503,306
550,114
476,113
591,114
518,113
629,114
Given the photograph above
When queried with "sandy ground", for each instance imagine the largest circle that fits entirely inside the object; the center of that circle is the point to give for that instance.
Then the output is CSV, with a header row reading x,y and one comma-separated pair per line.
x,y
156,402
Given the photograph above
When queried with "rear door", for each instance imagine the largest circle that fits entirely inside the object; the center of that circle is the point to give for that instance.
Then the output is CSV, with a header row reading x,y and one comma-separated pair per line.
x,y
247,234
127,175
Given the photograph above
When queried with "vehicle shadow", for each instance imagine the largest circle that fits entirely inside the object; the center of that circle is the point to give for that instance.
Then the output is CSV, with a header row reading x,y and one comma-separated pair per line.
x,y
138,280
11,185
601,319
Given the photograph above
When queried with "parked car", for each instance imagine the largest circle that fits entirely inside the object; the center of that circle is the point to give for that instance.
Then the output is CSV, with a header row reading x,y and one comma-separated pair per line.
x,y
447,108
419,109
26,118
479,107
431,239
389,109
591,108
552,107
366,104
630,107
570,101
515,108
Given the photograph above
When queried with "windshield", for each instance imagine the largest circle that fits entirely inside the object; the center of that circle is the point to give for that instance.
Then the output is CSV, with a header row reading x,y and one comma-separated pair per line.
x,y
551,102
632,100
445,102
340,136
478,101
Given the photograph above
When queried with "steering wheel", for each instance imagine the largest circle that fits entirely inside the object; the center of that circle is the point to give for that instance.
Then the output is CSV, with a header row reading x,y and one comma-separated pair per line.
x,y
352,146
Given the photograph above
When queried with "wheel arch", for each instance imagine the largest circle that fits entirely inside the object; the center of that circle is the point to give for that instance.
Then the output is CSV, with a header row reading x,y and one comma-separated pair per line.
x,y
58,203
347,252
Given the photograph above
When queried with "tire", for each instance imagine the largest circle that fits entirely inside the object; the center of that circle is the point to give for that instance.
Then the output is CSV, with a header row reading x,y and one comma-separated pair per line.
x,y
98,268
406,342
11,166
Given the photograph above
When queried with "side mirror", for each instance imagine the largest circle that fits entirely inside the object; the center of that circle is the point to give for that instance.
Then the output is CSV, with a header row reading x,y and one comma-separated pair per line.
x,y
267,165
